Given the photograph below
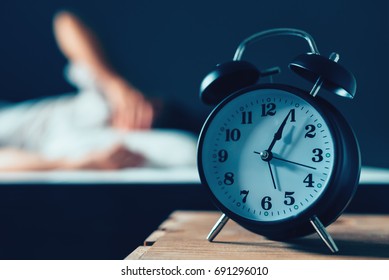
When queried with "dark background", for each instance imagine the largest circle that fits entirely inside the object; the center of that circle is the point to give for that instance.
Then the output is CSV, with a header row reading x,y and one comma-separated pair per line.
x,y
165,48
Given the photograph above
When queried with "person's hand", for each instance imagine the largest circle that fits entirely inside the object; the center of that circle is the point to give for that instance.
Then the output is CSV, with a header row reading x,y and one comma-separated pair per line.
x,y
117,157
130,109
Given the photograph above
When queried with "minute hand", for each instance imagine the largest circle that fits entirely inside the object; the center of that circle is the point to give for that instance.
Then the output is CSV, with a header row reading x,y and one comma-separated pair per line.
x,y
293,162
278,134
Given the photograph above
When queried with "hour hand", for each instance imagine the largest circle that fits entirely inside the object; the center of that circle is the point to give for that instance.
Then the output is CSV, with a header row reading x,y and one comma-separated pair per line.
x,y
278,134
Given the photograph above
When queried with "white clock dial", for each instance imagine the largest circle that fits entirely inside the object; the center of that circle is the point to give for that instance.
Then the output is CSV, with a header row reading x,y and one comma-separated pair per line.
x,y
267,155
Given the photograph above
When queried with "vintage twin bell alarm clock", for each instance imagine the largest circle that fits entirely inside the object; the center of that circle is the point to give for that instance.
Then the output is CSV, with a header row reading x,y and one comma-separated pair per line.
x,y
279,160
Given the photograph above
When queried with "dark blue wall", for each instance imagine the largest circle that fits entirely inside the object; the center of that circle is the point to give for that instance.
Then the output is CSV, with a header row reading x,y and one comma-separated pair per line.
x,y
166,47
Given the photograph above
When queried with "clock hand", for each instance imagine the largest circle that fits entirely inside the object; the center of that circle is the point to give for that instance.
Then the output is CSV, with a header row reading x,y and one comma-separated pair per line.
x,y
267,156
293,162
278,134
272,176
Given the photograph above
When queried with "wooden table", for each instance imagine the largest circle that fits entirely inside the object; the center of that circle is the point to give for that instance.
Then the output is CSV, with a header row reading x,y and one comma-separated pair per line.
x,y
183,236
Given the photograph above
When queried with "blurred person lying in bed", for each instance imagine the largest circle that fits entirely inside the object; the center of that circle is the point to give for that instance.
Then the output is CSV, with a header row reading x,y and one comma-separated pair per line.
x,y
105,125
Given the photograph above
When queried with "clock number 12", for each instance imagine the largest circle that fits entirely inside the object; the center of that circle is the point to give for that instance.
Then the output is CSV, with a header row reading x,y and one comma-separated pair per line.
x,y
268,109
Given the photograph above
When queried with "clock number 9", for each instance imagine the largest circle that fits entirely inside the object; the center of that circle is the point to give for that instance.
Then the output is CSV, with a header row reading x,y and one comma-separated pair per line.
x,y
222,155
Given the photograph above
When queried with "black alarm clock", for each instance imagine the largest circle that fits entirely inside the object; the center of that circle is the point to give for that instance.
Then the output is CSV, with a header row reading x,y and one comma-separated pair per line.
x,y
277,159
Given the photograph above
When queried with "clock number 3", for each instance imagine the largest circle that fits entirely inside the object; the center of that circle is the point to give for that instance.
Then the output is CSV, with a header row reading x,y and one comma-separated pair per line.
x,y
318,155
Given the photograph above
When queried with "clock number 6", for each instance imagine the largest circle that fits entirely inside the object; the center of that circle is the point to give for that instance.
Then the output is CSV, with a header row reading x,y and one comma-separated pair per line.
x,y
265,203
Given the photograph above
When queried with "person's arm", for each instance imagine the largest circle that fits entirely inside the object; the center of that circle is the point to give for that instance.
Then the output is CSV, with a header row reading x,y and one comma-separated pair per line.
x,y
118,157
78,43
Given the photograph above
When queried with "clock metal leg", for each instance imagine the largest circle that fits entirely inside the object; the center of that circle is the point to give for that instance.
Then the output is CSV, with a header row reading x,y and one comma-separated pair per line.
x,y
324,235
217,227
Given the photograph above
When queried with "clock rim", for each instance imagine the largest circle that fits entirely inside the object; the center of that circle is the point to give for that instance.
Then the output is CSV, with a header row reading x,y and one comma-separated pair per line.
x,y
334,199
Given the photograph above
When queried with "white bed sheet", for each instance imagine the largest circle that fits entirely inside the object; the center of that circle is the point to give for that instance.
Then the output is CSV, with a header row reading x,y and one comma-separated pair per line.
x,y
145,175
148,175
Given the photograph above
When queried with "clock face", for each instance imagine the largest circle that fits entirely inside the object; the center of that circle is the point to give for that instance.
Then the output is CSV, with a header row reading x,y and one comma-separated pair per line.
x,y
267,155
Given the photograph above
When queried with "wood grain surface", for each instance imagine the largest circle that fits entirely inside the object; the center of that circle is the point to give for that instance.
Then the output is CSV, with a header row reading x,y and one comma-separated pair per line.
x,y
183,236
